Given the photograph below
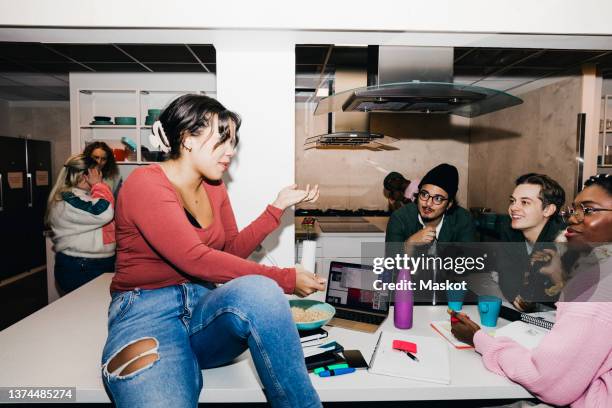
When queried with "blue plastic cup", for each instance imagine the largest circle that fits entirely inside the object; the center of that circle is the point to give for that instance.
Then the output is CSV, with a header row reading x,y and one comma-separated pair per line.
x,y
455,299
488,308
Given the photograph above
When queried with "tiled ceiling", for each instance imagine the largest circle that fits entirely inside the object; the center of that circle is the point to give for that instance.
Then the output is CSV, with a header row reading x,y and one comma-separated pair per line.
x,y
37,71
499,68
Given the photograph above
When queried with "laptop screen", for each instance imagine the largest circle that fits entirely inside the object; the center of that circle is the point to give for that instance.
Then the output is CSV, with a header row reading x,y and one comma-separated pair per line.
x,y
350,286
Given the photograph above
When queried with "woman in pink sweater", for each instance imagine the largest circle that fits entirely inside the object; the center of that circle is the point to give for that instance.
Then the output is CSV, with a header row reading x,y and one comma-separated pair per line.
x,y
573,363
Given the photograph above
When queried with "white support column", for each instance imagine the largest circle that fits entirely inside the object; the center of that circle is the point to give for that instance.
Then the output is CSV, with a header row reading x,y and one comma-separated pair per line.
x,y
256,79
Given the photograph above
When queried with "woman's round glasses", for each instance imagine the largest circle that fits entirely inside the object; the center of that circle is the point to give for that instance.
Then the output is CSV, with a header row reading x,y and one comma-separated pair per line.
x,y
579,212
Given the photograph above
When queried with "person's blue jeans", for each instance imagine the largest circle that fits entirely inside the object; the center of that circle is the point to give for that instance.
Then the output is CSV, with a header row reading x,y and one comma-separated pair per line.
x,y
197,327
72,272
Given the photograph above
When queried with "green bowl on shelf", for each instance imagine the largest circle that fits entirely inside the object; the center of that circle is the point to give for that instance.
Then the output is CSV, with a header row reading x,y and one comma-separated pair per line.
x,y
101,122
154,112
125,120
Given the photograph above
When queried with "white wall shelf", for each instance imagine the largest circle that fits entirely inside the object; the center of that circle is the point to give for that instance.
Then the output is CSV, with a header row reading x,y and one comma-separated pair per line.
x,y
127,95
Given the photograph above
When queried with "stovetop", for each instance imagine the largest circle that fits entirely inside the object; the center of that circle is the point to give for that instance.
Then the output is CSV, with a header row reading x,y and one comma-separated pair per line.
x,y
341,213
348,227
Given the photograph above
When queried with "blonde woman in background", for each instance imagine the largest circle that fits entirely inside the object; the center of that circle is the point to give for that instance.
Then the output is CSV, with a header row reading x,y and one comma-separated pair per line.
x,y
80,212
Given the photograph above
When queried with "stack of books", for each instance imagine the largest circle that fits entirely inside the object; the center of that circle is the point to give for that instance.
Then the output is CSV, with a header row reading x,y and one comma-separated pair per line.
x,y
310,338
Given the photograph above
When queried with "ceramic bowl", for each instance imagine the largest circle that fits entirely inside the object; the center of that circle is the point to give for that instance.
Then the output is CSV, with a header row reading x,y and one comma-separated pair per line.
x,y
125,120
313,305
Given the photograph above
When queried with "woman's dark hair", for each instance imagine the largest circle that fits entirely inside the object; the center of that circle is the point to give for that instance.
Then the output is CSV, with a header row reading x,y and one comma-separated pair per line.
x,y
110,169
394,181
602,180
551,192
189,114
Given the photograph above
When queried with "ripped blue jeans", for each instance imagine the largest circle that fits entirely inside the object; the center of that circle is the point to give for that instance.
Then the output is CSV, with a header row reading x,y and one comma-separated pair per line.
x,y
190,327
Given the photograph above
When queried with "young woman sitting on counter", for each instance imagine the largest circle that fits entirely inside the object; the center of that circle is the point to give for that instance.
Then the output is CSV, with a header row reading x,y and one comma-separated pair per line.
x,y
80,213
176,238
573,363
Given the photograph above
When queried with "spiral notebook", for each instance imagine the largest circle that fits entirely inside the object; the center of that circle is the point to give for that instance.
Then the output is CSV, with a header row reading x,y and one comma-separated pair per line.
x,y
541,319
432,352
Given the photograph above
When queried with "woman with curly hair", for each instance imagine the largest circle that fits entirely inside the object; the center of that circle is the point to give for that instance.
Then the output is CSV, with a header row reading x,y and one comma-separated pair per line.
x,y
102,154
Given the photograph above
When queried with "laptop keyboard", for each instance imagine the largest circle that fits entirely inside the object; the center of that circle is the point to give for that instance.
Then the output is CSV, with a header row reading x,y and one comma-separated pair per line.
x,y
359,317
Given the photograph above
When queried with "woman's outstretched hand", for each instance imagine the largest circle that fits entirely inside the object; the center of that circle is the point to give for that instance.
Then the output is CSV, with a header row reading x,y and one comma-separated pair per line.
x,y
307,283
291,195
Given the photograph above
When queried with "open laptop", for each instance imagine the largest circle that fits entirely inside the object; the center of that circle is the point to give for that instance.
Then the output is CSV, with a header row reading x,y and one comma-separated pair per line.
x,y
358,305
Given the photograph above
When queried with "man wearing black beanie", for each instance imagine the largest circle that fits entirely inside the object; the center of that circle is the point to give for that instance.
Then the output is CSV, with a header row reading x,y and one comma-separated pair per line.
x,y
435,214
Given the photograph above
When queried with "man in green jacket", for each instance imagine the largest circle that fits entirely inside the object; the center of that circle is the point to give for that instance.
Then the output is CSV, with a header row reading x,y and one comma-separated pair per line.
x,y
434,217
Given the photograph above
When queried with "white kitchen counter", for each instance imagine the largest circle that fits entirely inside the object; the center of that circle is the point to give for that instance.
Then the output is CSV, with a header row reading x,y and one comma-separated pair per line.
x,y
341,246
61,345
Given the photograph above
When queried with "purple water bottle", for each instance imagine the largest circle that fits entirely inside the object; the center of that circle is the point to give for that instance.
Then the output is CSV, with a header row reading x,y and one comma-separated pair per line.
x,y
404,301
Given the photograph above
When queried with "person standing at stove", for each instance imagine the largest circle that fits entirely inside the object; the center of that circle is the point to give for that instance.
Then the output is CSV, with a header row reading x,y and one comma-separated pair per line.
x,y
434,217
399,191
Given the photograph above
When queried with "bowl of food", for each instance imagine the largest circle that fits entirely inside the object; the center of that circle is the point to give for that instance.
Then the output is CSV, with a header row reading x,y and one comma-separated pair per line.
x,y
311,314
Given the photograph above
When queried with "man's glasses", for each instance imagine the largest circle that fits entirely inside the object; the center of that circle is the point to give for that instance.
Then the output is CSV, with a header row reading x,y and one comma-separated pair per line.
x,y
579,212
437,199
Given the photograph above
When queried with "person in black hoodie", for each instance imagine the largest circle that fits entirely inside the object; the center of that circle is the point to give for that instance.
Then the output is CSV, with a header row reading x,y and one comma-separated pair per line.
x,y
533,219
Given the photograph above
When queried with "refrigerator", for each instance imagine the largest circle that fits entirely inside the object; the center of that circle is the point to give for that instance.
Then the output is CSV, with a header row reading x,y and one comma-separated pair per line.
x,y
25,183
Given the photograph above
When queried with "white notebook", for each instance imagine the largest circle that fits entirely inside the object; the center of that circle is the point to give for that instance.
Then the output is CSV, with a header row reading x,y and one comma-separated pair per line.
x,y
527,335
432,352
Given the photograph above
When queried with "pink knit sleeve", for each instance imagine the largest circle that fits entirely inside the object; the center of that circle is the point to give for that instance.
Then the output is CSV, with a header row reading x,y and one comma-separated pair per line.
x,y
102,190
562,367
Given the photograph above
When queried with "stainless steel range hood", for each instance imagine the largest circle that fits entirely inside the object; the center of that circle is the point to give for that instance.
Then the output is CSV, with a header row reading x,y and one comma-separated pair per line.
x,y
349,131
351,140
416,80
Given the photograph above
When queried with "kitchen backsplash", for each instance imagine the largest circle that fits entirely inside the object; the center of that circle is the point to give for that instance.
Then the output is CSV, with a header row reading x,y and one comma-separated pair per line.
x,y
353,179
